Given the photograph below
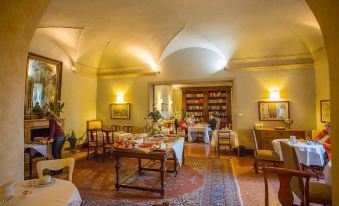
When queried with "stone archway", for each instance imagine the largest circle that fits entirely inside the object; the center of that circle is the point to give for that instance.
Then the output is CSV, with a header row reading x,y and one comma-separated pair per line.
x,y
18,20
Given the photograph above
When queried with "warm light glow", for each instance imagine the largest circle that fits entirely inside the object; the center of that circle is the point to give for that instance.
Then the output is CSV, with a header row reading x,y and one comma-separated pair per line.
x,y
274,94
73,68
120,97
144,56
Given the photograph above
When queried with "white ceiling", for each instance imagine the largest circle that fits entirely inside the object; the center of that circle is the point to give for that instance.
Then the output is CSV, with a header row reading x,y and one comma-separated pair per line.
x,y
127,33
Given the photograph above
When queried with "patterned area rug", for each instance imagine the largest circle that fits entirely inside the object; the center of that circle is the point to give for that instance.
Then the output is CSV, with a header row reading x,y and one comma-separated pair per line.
x,y
201,181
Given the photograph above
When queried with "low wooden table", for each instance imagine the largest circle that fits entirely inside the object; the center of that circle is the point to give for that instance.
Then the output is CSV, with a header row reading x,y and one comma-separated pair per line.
x,y
162,156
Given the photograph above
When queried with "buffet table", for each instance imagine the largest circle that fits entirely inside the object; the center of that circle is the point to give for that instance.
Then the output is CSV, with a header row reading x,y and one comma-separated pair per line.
x,y
173,152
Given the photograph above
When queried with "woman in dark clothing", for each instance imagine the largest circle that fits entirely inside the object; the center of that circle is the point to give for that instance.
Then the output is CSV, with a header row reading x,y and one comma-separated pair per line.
x,y
56,133
213,122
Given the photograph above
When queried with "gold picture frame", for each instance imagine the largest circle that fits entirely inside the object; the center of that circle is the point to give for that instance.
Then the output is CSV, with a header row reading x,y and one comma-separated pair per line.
x,y
325,111
120,110
274,110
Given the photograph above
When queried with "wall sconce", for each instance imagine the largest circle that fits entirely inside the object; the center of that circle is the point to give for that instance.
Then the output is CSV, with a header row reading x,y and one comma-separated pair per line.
x,y
120,97
274,94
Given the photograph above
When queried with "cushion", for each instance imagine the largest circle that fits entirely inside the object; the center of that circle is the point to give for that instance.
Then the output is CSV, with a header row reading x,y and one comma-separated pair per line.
x,y
268,155
320,193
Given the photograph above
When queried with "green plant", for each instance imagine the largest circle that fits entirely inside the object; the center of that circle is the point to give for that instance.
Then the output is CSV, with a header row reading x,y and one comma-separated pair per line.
x,y
73,140
155,115
56,108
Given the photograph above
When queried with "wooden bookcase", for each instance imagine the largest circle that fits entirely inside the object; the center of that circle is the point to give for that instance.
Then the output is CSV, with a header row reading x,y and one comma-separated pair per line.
x,y
201,101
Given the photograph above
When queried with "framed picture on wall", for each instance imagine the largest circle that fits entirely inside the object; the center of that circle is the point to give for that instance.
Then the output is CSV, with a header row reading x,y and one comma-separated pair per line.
x,y
325,109
120,110
274,110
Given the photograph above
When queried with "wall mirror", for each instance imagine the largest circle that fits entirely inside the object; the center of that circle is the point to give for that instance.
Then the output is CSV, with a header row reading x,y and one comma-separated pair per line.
x,y
43,85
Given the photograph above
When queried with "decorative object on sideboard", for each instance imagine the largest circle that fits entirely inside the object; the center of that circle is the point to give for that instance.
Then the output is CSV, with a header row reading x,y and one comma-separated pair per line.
x,y
274,110
43,85
288,123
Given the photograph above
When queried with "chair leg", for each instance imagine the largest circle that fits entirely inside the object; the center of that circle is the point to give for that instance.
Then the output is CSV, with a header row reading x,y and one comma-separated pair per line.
x,y
256,166
231,151
103,153
87,152
219,150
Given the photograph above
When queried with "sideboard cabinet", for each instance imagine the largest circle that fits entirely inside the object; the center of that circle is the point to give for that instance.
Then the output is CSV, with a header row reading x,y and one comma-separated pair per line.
x,y
265,136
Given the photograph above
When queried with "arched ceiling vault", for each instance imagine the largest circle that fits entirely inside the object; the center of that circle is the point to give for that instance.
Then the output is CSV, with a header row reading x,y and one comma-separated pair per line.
x,y
118,34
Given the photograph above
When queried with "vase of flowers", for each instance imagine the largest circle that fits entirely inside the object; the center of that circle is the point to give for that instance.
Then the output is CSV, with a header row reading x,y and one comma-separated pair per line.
x,y
155,116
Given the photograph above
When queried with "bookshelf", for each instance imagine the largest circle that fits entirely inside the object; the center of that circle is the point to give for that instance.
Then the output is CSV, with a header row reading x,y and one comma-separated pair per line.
x,y
201,101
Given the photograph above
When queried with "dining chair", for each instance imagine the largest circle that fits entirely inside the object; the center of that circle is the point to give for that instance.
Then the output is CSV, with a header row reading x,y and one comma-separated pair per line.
x,y
56,164
108,143
115,128
224,138
94,136
266,156
285,176
127,129
319,193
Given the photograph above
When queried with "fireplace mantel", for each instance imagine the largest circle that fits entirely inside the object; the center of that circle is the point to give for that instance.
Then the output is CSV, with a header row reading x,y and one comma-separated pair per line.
x,y
37,124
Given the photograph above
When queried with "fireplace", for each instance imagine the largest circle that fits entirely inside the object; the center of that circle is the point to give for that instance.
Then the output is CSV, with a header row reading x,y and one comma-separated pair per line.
x,y
37,128
39,132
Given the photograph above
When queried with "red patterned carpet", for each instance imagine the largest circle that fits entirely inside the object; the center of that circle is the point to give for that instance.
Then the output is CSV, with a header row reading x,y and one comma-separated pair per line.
x,y
201,181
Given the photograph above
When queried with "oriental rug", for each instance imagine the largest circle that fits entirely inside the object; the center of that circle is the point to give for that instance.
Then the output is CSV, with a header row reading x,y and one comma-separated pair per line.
x,y
200,181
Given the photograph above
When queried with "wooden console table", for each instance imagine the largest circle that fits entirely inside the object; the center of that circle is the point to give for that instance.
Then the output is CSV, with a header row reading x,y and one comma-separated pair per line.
x,y
265,136
135,153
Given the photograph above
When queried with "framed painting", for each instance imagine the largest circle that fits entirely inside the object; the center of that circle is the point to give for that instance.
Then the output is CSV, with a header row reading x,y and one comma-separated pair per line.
x,y
325,109
120,110
274,110
43,84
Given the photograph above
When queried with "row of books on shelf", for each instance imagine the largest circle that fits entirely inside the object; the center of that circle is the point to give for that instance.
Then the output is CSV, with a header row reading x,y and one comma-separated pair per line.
x,y
195,113
199,119
217,94
217,107
217,113
194,95
194,101
194,107
216,101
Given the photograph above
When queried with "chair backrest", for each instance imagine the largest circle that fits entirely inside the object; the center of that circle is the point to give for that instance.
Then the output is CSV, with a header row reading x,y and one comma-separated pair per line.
x,y
116,128
285,177
291,162
94,125
224,136
127,129
57,164
255,143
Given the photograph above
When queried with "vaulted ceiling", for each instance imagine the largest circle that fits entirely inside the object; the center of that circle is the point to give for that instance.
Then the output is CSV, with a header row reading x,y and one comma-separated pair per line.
x,y
119,34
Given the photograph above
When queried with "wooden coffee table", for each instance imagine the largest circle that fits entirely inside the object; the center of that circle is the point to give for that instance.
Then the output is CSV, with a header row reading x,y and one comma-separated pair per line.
x,y
161,156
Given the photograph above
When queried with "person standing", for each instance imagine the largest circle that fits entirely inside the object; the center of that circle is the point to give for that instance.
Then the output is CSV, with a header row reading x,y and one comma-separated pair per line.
x,y
213,122
56,133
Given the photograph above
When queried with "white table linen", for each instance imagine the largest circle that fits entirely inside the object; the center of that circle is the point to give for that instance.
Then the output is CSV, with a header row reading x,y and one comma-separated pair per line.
x,y
328,173
44,149
234,138
62,193
121,136
178,148
192,133
312,154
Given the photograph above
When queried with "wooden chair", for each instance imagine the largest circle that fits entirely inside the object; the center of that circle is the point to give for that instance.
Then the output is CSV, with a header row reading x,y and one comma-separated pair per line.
x,y
267,156
108,142
127,129
319,193
224,138
285,177
116,128
94,136
54,165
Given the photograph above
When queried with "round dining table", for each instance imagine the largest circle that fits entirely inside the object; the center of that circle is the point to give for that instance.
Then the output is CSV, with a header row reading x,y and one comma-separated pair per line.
x,y
308,154
60,193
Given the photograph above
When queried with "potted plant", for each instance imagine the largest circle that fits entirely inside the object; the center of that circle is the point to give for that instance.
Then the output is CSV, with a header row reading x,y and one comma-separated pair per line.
x,y
155,116
73,140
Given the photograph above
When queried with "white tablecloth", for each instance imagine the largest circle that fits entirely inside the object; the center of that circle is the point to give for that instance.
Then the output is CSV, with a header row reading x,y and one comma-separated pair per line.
x,y
178,148
234,138
62,193
328,173
121,135
307,154
44,149
192,133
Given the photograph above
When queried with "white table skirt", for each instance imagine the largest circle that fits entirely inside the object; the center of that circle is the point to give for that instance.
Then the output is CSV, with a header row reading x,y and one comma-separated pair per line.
x,y
44,149
192,133
234,139
307,154
62,193
328,173
121,135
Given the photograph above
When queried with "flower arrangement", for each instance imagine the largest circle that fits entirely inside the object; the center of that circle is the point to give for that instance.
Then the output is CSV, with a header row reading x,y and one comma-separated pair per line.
x,y
155,115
